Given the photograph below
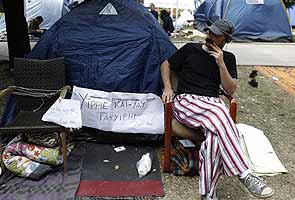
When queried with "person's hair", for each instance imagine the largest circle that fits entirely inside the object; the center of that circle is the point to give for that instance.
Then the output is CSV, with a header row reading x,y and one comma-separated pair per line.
x,y
164,13
39,18
140,1
228,37
152,6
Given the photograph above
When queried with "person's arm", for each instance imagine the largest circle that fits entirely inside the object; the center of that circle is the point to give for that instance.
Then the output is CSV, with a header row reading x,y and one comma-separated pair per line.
x,y
228,83
34,28
171,26
30,28
168,93
165,25
175,63
40,30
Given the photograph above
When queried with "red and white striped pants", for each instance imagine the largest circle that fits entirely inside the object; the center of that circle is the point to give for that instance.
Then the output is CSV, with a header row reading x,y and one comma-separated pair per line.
x,y
221,152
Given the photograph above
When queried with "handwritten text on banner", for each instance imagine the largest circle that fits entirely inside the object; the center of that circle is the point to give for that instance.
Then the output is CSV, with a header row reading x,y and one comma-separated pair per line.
x,y
120,112
65,112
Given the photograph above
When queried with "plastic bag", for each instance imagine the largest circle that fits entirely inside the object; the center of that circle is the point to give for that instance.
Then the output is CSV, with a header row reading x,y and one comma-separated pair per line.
x,y
144,165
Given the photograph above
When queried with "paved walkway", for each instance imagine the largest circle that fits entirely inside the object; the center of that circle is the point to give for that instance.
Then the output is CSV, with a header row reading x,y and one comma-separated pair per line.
x,y
267,54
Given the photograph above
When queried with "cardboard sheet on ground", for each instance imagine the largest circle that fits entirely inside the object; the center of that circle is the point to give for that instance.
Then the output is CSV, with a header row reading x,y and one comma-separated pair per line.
x,y
120,112
118,178
65,112
261,156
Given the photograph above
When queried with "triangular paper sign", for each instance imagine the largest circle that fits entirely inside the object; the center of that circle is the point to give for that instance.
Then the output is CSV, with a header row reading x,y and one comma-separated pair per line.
x,y
65,112
109,9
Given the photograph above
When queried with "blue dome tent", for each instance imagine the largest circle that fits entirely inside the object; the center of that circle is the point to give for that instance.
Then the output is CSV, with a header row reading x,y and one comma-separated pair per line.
x,y
254,20
110,45
291,12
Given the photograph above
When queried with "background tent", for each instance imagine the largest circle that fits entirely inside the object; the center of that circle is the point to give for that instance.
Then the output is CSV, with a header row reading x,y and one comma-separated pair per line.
x,y
111,45
51,11
291,12
181,21
254,20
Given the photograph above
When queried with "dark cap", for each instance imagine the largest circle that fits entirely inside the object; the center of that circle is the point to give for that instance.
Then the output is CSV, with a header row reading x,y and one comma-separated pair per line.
x,y
221,27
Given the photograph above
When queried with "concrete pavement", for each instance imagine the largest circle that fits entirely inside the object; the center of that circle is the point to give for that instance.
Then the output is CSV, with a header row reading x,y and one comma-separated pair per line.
x,y
4,50
267,54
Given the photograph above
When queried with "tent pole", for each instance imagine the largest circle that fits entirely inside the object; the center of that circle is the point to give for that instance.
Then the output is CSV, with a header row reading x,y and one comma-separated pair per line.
x,y
176,16
226,9
17,30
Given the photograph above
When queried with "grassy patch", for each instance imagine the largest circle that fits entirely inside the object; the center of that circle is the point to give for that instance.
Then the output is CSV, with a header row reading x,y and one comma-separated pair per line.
x,y
267,107
184,38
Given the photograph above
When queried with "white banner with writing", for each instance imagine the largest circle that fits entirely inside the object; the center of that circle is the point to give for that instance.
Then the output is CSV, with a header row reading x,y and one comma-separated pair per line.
x,y
121,112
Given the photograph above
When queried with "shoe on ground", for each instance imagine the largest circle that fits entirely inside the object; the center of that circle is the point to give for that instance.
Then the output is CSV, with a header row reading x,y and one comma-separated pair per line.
x,y
257,186
204,197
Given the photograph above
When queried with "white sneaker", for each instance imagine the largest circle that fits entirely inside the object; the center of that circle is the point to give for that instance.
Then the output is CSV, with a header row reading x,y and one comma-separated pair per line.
x,y
257,186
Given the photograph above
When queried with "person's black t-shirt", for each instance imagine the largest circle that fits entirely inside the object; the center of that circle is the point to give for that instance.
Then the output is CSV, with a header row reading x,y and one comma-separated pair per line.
x,y
198,72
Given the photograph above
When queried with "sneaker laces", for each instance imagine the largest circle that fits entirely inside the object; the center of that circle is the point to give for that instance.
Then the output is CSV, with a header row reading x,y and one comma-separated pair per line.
x,y
259,182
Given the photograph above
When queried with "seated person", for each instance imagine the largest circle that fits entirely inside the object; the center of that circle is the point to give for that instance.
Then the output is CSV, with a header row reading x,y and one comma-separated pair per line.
x,y
167,22
34,27
201,69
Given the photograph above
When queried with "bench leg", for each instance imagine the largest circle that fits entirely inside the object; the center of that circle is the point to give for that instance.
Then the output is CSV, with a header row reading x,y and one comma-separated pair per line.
x,y
64,151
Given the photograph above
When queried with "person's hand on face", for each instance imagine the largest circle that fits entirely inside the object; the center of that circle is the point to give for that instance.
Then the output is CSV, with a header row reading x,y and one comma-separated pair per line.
x,y
217,53
208,43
